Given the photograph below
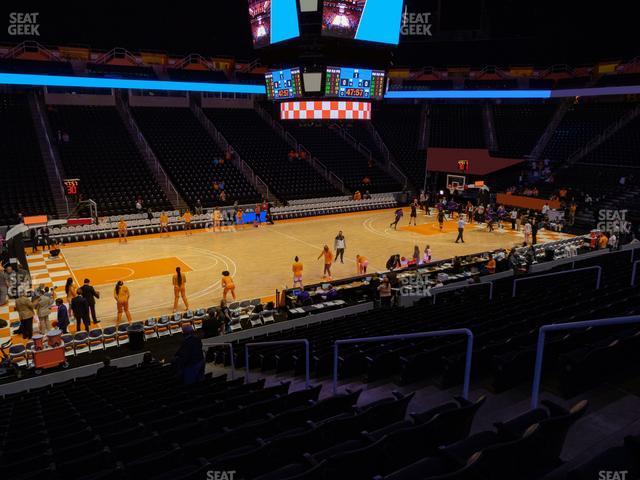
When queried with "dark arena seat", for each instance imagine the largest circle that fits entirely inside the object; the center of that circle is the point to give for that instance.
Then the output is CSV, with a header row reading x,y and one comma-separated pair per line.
x,y
268,154
188,153
519,127
456,126
341,158
102,155
24,186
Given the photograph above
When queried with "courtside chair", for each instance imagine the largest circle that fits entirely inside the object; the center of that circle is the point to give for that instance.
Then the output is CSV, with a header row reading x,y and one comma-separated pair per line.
x,y
163,326
95,339
67,340
175,323
150,328
109,337
18,355
81,342
122,336
198,318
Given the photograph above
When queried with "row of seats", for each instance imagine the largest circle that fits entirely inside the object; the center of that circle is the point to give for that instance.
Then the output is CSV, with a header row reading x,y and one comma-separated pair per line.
x,y
101,153
24,186
519,127
188,153
267,154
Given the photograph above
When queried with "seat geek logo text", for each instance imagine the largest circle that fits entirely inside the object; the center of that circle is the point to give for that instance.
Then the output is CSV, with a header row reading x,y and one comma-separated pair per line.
x,y
24,24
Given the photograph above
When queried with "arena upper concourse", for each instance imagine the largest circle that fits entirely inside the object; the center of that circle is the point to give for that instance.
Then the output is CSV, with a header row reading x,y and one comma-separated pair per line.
x,y
320,239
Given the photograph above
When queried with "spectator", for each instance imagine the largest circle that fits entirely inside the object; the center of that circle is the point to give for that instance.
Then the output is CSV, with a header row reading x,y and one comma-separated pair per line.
x,y
26,311
80,309
107,369
63,315
385,292
189,359
45,302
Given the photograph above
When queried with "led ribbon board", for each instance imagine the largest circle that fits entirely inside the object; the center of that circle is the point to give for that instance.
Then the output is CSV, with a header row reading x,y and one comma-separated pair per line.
x,y
324,110
92,82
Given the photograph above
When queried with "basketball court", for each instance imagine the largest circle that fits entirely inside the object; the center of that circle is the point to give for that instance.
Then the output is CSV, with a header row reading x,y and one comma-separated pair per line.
x,y
259,259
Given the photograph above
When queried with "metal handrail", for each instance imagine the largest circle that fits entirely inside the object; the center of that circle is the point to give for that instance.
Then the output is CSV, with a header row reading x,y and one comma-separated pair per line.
x,y
303,341
408,336
633,273
453,288
224,344
595,267
537,374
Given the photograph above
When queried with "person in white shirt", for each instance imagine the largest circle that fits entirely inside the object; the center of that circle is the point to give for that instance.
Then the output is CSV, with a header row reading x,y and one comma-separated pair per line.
x,y
545,209
513,215
461,224
527,233
612,243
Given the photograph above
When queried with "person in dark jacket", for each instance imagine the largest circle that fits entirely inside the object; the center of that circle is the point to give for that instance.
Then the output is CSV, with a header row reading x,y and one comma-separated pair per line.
x,y
189,359
90,294
80,309
63,315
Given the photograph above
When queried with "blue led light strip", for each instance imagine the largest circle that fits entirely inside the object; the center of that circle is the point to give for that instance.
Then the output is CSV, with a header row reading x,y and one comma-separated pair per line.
x,y
468,94
91,82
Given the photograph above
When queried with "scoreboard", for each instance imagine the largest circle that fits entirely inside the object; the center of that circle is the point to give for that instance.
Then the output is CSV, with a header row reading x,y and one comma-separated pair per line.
x,y
354,83
284,84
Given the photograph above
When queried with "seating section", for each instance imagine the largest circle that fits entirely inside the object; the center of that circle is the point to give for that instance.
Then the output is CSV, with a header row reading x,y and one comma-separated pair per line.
x,y
456,126
120,71
12,65
189,155
325,143
102,155
399,127
267,153
580,124
325,206
621,149
24,186
519,127
505,332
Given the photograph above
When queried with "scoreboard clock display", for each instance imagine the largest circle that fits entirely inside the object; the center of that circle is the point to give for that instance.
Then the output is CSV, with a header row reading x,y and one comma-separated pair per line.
x,y
284,84
346,82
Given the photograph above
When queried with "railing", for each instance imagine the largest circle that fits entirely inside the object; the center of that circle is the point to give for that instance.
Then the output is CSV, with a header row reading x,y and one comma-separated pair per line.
x,y
408,336
117,52
453,288
633,273
54,158
598,140
31,46
160,174
538,149
537,374
207,344
189,59
238,161
282,342
595,267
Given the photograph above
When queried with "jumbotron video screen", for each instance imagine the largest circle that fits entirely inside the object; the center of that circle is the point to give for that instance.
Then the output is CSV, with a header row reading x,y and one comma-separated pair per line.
x,y
273,21
368,20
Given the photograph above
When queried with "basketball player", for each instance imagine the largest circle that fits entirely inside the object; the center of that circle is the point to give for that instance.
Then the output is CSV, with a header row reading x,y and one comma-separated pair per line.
x,y
297,268
187,223
217,219
228,286
328,260
414,212
179,281
399,214
121,296
122,231
441,217
164,224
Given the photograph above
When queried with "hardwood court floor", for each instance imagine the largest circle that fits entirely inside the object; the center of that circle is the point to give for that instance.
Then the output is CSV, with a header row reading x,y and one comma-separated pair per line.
x,y
259,259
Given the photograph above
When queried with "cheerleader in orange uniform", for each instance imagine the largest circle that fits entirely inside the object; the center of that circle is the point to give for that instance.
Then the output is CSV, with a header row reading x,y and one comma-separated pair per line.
x,y
164,224
179,289
362,263
328,260
228,286
121,296
187,222
122,231
297,268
